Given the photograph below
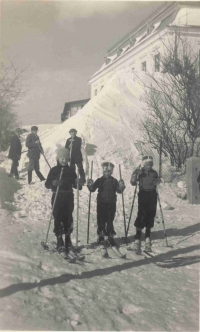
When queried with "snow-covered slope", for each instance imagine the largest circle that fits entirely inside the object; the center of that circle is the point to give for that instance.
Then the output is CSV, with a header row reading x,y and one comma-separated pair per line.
x,y
40,291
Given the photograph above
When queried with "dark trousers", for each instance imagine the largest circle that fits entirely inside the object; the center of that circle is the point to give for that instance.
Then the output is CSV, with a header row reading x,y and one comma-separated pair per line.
x,y
80,168
14,167
34,165
62,213
105,218
147,204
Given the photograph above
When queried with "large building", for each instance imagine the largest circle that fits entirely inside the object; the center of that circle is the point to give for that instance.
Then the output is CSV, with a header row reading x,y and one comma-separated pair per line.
x,y
141,48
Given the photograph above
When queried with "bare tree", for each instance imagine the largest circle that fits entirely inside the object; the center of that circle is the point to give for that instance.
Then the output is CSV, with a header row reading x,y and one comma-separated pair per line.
x,y
12,90
173,102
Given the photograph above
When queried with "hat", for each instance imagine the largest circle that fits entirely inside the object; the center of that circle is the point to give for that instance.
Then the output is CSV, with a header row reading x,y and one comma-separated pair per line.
x,y
18,130
107,166
62,153
34,128
73,130
147,159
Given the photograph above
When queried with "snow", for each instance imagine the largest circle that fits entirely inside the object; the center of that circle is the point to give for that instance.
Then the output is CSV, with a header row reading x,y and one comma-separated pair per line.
x,y
41,291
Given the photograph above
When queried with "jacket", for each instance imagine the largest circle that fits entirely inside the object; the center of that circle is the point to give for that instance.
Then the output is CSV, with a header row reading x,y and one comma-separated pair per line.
x,y
15,148
69,179
76,155
33,150
145,179
107,189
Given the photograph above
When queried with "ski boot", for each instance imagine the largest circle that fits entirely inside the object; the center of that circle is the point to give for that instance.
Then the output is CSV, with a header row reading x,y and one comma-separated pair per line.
x,y
137,245
60,243
148,244
111,240
68,242
101,239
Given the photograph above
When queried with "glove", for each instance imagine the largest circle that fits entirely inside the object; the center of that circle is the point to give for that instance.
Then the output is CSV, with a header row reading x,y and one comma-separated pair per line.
x,y
90,183
37,142
57,183
134,177
121,184
156,181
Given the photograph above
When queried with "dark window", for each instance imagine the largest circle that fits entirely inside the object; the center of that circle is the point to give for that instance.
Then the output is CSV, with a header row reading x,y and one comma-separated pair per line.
x,y
157,62
144,66
95,92
101,87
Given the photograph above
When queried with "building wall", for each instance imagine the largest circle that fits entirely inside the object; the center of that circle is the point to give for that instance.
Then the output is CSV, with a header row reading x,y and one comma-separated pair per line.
x,y
145,50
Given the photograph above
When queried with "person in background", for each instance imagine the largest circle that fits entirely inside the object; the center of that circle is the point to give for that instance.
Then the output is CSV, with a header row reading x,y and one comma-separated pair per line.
x,y
34,150
15,153
73,144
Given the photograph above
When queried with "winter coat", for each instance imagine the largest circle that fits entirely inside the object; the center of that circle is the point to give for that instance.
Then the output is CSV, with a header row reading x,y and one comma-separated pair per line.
x,y
145,179
76,155
68,177
33,149
107,188
15,148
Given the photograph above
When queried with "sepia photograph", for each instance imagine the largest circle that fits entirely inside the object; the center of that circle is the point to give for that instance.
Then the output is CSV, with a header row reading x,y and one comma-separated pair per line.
x,y
99,165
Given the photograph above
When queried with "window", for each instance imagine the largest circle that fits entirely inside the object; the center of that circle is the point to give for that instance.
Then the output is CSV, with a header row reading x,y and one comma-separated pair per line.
x,y
157,62
144,66
101,87
95,92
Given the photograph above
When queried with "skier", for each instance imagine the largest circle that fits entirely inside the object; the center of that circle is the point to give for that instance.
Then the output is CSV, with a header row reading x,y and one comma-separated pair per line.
x,y
64,205
73,144
147,200
34,150
106,202
15,153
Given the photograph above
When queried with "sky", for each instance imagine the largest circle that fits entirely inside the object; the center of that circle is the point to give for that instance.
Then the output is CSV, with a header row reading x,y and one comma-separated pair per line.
x,y
62,44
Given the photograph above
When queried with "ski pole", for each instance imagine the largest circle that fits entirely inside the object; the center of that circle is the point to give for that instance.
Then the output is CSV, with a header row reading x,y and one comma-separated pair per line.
x,y
162,219
77,217
42,152
44,244
88,229
133,202
131,209
72,140
120,175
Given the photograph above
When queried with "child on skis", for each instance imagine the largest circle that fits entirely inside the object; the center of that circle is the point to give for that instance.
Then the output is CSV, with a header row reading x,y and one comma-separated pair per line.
x,y
147,200
107,187
64,206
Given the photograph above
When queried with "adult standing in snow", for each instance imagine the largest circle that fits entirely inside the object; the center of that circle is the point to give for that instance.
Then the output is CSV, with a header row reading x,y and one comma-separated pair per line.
x,y
15,153
147,200
107,187
73,144
34,150
64,205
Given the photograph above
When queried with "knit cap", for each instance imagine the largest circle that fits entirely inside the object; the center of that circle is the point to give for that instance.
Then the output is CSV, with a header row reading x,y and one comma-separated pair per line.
x,y
147,159
62,153
107,166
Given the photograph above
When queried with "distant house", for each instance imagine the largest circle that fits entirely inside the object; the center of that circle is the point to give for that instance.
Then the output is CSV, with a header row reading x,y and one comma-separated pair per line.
x,y
72,107
141,48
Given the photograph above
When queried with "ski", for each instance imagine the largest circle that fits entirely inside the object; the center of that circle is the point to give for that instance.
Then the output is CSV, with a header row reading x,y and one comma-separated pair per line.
x,y
64,254
74,253
118,252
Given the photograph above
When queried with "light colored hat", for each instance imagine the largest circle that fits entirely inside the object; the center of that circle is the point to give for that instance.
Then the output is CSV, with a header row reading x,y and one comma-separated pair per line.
x,y
107,166
147,159
62,153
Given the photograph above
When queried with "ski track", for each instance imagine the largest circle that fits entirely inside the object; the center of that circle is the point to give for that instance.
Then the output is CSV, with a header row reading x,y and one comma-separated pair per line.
x,y
42,291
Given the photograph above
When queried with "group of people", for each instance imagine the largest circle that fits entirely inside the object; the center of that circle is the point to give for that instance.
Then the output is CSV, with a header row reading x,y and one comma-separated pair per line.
x,y
108,187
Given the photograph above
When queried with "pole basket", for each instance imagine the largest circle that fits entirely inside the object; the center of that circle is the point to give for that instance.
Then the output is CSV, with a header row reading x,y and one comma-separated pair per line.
x,y
125,240
45,246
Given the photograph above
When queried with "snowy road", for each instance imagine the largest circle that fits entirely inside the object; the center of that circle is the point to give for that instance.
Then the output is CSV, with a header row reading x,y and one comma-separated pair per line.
x,y
40,291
